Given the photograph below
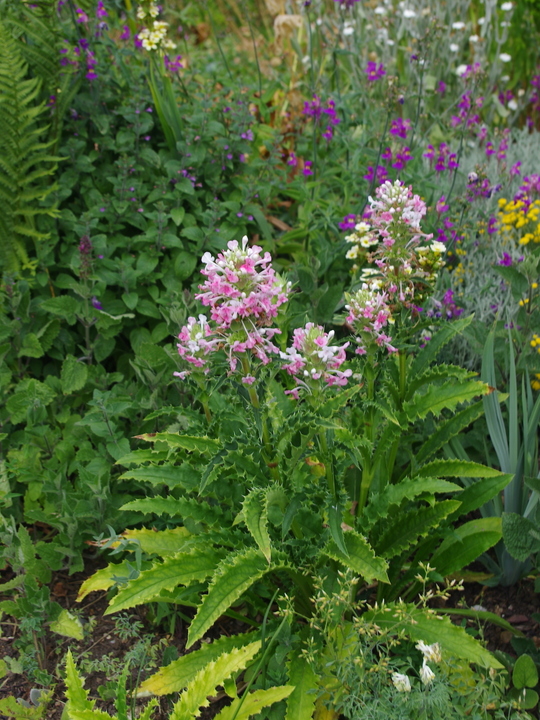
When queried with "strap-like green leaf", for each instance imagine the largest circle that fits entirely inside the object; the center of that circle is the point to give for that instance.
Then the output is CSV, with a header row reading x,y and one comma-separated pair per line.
x,y
465,544
361,557
231,579
302,677
206,680
406,528
480,492
256,519
178,674
426,625
245,707
180,569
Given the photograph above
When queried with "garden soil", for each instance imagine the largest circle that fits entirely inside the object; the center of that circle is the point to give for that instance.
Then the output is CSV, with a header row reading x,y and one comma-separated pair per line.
x,y
515,604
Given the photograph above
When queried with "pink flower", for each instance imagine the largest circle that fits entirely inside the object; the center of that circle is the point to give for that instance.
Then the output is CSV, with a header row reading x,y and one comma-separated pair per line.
x,y
240,283
312,359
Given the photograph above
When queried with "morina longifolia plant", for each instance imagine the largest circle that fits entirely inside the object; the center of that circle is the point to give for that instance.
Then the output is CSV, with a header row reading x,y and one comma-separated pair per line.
x,y
303,464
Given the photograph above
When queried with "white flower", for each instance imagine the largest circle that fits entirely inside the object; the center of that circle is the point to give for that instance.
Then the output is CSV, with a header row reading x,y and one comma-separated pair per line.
x,y
481,20
454,47
474,39
461,70
505,57
426,674
409,13
140,13
401,682
348,29
506,6
439,248
458,25
513,105
379,10
432,652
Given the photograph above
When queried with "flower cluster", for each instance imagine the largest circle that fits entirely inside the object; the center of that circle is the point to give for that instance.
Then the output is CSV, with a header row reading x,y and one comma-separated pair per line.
x,y
243,293
521,214
312,359
441,159
316,110
430,653
153,37
401,262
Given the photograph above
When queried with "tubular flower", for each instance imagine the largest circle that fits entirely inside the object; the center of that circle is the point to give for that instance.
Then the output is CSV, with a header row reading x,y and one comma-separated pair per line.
x,y
240,283
312,360
197,341
368,314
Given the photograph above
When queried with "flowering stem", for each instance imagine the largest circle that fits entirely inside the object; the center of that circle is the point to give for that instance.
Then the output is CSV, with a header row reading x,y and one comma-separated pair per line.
x,y
253,396
368,469
327,459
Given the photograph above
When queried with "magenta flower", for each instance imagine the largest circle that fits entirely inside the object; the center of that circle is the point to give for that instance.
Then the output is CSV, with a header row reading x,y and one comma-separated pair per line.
x,y
374,72
369,313
125,35
400,127
100,10
506,260
312,360
348,222
82,17
197,341
307,168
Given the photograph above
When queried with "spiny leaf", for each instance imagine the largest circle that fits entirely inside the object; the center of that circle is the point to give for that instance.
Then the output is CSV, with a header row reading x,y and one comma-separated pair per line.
x,y
379,505
256,519
102,579
179,673
480,492
361,557
190,443
183,507
160,542
206,680
252,704
231,579
446,396
407,527
433,374
180,569
76,694
171,475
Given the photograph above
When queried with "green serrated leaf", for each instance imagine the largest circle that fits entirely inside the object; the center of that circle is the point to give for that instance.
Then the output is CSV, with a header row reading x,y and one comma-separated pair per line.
x,y
182,507
180,569
480,492
76,694
178,674
252,704
406,528
190,443
171,475
206,680
448,429
441,397
256,520
231,579
74,375
102,579
361,557
456,468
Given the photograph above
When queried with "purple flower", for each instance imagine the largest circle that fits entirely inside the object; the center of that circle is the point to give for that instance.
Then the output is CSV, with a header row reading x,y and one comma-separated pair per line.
x,y
506,260
172,65
348,222
137,41
387,154
82,17
400,127
441,206
96,303
126,34
515,169
402,158
100,10
374,72
441,87
307,168
293,160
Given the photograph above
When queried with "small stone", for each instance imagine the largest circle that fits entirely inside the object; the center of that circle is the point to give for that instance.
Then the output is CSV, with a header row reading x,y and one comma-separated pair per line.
x,y
518,619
